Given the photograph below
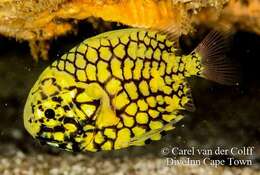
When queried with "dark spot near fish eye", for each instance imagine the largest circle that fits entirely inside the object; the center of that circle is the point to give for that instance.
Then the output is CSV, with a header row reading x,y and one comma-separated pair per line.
x,y
69,120
55,93
61,119
57,106
46,129
44,96
71,105
66,108
49,113
59,129
54,98
41,108
80,131
57,99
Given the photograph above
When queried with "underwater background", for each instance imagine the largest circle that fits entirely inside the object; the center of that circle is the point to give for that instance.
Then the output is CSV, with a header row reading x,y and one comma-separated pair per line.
x,y
226,116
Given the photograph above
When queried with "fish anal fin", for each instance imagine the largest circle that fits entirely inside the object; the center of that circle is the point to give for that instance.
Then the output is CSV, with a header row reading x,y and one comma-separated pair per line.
x,y
154,134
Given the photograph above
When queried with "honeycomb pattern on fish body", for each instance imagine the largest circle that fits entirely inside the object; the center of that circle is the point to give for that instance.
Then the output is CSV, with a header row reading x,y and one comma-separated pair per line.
x,y
143,78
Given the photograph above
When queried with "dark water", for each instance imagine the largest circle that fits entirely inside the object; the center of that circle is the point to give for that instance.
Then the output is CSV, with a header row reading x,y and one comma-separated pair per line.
x,y
226,116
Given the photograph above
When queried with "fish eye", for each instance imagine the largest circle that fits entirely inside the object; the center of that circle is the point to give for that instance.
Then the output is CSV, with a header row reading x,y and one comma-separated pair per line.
x,y
49,113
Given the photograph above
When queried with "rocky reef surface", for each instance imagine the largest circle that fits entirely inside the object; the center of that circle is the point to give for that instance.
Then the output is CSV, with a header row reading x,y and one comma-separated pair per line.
x,y
40,21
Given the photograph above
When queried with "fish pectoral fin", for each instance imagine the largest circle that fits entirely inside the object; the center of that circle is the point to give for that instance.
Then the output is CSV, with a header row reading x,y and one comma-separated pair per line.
x,y
107,113
107,117
154,134
93,90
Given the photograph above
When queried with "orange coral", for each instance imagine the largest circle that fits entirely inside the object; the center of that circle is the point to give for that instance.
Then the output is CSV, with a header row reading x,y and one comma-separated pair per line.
x,y
35,20
141,13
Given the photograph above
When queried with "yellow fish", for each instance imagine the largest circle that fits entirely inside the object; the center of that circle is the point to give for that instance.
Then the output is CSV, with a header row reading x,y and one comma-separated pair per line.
x,y
119,89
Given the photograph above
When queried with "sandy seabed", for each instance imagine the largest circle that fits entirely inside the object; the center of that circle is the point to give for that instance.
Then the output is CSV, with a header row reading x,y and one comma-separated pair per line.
x,y
67,164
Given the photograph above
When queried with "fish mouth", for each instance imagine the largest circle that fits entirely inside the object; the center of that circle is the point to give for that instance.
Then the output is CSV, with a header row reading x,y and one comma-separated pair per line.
x,y
73,141
44,140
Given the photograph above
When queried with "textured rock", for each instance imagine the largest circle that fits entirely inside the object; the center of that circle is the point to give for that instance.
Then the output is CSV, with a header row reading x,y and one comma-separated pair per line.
x,y
41,20
37,21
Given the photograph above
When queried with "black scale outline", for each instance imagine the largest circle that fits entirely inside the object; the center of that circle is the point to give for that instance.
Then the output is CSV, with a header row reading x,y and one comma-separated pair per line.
x,y
135,82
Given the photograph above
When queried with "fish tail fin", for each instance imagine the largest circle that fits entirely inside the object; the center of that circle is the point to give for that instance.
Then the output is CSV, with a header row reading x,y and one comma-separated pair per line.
x,y
214,64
